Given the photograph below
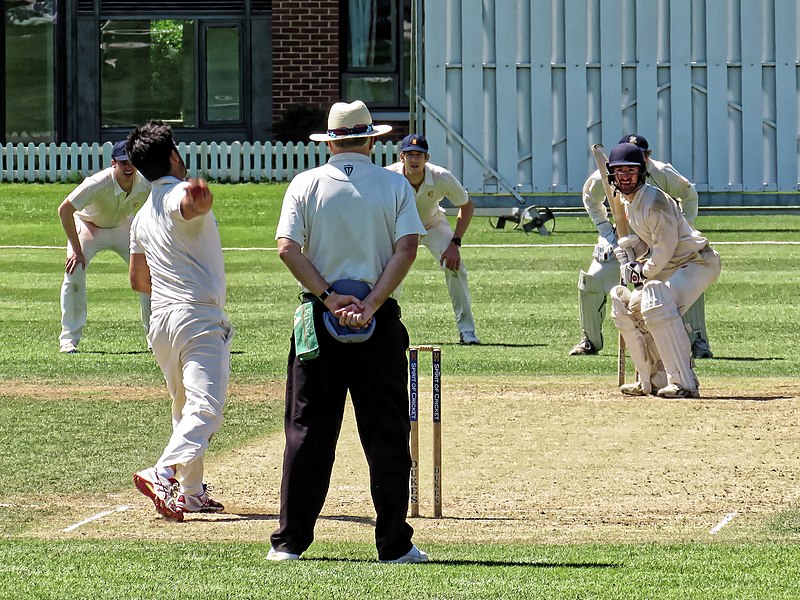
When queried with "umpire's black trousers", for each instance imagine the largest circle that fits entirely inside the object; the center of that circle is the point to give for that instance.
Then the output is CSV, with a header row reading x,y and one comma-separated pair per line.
x,y
375,373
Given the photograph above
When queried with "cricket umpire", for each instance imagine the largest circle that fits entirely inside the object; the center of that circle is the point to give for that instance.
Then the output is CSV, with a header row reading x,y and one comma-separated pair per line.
x,y
97,216
348,232
595,283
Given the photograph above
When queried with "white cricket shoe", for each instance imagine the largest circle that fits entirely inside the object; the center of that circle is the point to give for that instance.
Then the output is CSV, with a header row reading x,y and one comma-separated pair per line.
x,y
159,490
632,389
673,390
415,555
280,555
68,349
202,503
583,348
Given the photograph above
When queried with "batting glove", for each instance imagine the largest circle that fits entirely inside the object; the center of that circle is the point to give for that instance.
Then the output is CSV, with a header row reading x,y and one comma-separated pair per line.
x,y
625,252
632,274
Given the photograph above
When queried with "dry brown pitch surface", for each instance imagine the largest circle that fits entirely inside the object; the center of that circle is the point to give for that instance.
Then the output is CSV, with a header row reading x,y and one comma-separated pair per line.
x,y
525,460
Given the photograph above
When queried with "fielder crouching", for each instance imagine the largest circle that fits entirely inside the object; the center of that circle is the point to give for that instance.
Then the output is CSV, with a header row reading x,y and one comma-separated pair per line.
x,y
670,264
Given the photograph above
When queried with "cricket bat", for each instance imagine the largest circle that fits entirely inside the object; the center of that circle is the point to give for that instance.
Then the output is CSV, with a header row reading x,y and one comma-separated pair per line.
x,y
621,223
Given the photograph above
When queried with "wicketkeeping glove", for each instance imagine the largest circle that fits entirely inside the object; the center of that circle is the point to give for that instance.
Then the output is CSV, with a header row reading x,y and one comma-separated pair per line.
x,y
606,242
603,251
632,274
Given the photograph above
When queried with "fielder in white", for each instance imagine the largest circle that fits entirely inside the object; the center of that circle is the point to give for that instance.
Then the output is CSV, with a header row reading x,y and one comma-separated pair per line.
x,y
176,255
97,216
596,282
670,265
431,184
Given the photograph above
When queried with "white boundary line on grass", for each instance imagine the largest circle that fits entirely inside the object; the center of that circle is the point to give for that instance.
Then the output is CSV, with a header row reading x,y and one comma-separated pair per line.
x,y
99,515
725,520
754,243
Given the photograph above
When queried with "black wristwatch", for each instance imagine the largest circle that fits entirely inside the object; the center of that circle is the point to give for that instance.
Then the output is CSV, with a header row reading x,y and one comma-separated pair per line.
x,y
456,241
324,295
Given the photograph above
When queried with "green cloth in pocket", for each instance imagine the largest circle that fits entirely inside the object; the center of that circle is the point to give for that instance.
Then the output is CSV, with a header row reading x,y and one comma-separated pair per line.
x,y
305,336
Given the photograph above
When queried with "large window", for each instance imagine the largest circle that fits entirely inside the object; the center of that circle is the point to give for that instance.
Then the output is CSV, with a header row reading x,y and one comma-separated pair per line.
x,y
376,50
155,69
223,82
30,113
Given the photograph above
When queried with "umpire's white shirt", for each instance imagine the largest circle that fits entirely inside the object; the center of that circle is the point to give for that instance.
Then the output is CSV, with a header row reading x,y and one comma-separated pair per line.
x,y
439,183
184,256
365,209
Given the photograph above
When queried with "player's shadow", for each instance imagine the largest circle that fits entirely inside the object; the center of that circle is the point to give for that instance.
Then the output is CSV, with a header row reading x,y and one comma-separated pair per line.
x,y
534,564
129,352
485,345
730,398
236,516
747,358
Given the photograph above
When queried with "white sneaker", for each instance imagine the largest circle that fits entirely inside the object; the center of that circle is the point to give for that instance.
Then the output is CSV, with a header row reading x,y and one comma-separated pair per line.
x,y
415,555
68,349
159,490
202,503
279,555
632,389
673,390
468,338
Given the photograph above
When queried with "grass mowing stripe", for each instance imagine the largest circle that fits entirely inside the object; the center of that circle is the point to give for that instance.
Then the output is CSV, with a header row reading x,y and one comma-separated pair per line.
x,y
104,570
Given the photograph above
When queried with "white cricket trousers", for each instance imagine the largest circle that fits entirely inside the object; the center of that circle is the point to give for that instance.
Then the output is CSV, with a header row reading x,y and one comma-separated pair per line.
x,y
192,346
73,289
436,239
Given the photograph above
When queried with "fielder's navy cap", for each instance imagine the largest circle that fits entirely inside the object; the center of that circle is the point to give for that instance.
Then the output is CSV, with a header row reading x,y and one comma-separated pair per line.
x,y
636,140
413,142
119,152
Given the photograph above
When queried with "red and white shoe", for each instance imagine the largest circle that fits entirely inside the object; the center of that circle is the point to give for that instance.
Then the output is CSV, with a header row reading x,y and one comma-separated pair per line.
x,y
159,490
202,503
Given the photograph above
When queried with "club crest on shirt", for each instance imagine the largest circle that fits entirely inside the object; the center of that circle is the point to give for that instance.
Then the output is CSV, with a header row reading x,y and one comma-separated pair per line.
x,y
348,169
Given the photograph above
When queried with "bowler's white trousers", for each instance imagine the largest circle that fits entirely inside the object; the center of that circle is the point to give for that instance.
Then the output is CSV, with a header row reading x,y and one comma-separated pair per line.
x,y
191,344
437,239
73,289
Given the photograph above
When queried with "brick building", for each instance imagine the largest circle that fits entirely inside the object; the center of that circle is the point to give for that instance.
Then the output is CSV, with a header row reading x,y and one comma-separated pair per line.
x,y
242,70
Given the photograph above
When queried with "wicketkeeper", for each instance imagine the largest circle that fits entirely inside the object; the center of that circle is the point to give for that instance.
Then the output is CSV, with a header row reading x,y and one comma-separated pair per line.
x,y
595,283
670,264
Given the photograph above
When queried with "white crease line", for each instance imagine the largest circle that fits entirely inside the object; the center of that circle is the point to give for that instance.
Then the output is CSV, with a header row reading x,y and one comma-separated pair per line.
x,y
725,520
100,515
262,249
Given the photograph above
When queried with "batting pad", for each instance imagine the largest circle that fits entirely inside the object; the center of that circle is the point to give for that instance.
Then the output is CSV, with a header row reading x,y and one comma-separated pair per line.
x,y
638,341
591,307
695,318
660,313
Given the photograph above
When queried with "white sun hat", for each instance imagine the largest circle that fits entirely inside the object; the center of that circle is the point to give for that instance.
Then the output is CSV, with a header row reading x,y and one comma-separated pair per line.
x,y
350,121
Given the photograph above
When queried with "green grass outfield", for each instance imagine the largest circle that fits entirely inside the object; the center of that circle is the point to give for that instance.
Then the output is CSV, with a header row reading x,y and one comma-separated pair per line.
x,y
525,302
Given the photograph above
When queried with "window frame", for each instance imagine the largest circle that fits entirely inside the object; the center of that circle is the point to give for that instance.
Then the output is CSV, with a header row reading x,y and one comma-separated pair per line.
x,y
200,25
399,70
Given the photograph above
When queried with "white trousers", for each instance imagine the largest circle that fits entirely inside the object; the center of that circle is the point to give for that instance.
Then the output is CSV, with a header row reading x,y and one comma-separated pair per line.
x,y
192,346
599,279
73,289
436,239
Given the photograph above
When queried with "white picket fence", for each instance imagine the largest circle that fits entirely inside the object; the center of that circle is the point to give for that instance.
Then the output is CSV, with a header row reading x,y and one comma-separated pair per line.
x,y
223,162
